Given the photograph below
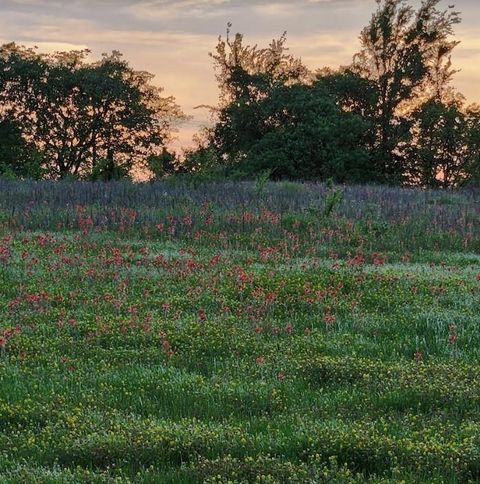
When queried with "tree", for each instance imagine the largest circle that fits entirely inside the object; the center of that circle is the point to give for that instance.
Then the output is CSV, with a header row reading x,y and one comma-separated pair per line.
x,y
273,117
245,71
473,143
308,137
133,121
358,96
18,159
440,148
403,50
246,75
82,114
163,164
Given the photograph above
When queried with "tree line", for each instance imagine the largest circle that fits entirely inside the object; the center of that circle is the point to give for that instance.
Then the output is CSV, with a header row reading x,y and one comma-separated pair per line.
x,y
391,116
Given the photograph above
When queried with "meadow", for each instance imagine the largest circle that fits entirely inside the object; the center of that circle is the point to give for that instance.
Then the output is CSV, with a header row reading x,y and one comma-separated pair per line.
x,y
238,332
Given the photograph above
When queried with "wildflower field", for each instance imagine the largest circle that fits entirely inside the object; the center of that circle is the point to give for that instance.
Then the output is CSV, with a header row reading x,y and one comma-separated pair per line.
x,y
238,333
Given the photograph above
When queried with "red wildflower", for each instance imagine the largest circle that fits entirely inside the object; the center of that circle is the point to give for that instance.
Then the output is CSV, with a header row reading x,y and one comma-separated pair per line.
x,y
260,360
378,259
215,260
166,345
243,276
4,254
270,297
329,319
453,334
358,260
187,221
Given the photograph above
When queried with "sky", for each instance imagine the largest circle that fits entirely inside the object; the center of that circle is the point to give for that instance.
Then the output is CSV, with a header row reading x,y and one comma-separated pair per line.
x,y
172,38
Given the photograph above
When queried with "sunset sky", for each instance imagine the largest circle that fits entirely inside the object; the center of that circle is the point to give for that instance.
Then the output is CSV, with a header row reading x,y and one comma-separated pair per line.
x,y
172,39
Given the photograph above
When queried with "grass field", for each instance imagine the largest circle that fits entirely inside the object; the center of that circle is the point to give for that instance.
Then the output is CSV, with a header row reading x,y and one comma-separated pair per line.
x,y
238,333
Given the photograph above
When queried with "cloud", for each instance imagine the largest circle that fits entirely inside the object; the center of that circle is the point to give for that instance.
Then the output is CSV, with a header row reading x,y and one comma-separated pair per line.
x,y
275,9
166,10
50,47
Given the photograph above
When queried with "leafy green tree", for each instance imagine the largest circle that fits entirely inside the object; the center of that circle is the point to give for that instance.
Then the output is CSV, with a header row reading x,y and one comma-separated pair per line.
x,y
358,96
445,151
245,71
201,159
163,164
108,170
403,51
274,117
352,92
439,152
247,75
307,136
18,158
473,142
83,114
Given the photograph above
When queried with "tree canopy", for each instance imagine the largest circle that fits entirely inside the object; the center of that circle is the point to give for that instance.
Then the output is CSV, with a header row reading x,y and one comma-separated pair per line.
x,y
391,116
85,118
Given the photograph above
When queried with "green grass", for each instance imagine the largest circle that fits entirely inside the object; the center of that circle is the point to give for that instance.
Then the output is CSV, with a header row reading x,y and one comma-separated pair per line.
x,y
133,359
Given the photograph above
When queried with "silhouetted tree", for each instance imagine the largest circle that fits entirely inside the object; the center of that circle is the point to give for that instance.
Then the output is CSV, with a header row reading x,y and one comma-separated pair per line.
x,y
307,136
247,75
439,152
18,159
473,143
163,164
81,113
273,116
403,51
